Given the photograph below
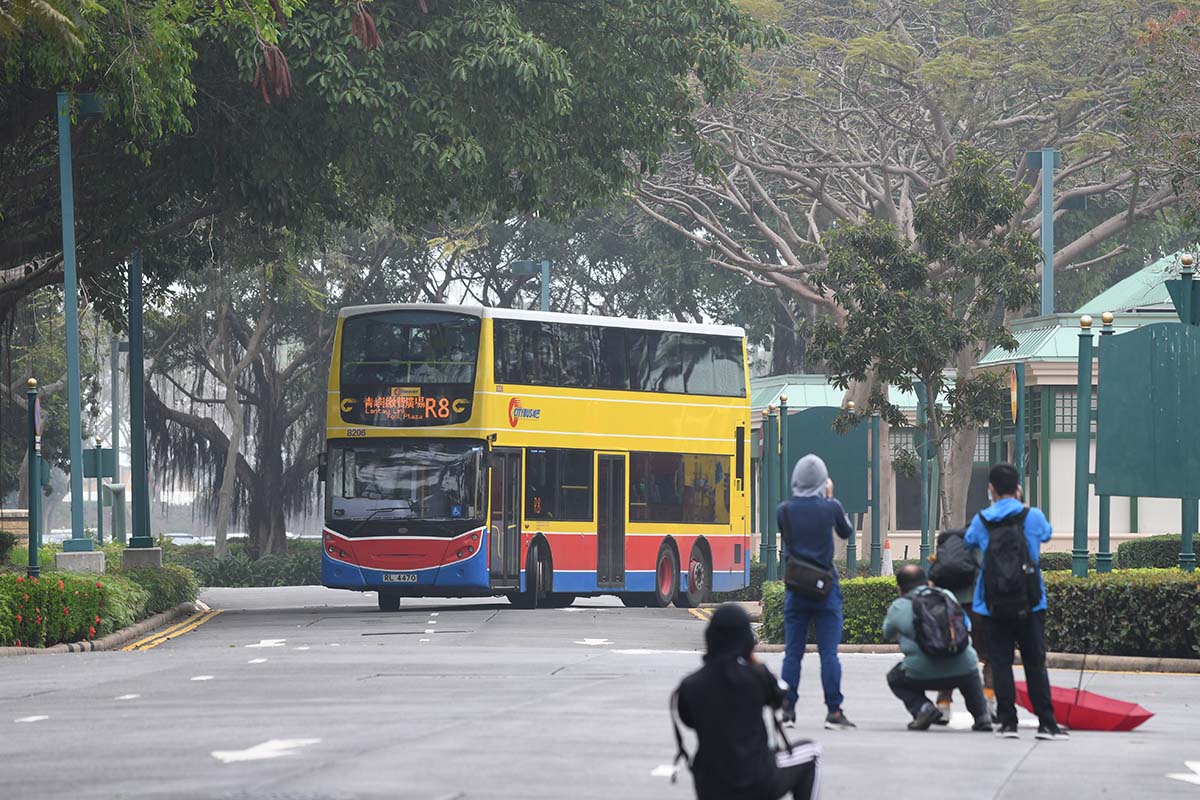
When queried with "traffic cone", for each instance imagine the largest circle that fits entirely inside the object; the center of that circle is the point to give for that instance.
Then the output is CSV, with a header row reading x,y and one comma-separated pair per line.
x,y
887,558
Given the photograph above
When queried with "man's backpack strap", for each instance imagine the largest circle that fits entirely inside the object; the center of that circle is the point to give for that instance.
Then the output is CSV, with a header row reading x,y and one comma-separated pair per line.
x,y
680,751
785,529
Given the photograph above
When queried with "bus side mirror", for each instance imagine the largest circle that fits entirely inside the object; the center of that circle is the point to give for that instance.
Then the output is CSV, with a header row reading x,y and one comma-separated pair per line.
x,y
322,466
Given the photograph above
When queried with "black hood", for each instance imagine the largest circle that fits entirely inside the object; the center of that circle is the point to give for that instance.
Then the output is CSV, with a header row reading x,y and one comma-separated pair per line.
x,y
729,633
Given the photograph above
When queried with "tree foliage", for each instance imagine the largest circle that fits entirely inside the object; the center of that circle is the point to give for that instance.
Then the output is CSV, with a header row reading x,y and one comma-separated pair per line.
x,y
913,308
1167,99
860,116
474,107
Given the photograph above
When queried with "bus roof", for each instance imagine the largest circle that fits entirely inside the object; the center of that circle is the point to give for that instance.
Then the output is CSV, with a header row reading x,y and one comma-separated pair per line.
x,y
550,316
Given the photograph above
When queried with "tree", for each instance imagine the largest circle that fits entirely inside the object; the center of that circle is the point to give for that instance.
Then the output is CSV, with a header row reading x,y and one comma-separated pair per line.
x,y
260,338
1166,99
474,107
860,116
913,308
32,346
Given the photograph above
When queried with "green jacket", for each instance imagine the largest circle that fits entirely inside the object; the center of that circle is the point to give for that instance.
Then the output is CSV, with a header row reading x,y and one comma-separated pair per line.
x,y
898,624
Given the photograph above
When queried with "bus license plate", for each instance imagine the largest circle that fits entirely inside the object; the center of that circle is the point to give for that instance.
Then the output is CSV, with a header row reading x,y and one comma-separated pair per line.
x,y
399,577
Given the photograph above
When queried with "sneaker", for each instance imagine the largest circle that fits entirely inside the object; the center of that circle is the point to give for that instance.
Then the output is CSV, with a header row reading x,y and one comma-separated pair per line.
x,y
983,724
788,718
928,715
836,721
1008,731
947,711
1049,731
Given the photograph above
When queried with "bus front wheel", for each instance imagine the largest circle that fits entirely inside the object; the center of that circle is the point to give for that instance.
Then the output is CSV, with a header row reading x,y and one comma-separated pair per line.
x,y
389,601
537,581
666,578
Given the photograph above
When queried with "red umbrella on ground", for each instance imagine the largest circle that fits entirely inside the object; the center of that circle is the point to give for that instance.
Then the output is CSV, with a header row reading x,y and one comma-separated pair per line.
x,y
1082,710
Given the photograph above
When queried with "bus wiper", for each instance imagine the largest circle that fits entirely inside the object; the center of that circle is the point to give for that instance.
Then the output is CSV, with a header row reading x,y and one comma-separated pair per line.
x,y
371,516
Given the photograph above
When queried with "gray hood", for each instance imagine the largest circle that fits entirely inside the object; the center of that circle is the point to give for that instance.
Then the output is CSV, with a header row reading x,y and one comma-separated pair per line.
x,y
809,477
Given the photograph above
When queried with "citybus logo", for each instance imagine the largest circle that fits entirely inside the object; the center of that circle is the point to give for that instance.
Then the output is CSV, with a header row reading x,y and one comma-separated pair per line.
x,y
516,412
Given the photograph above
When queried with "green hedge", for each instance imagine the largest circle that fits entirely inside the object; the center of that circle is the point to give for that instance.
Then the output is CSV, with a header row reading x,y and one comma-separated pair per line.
x,y
67,607
1153,552
1131,612
7,542
758,576
1061,562
1143,612
300,567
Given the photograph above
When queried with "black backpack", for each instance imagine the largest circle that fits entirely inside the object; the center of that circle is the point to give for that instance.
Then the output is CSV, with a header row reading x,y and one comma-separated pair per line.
x,y
953,564
1012,585
940,624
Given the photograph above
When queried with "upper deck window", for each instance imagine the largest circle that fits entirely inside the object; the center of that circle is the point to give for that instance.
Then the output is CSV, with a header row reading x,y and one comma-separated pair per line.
x,y
408,368
600,357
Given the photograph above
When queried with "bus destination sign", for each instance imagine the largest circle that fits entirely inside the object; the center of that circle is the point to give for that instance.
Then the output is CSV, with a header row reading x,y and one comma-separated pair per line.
x,y
406,406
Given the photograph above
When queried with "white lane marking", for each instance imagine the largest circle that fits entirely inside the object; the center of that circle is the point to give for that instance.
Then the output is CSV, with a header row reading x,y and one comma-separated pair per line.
x,y
128,697
334,644
594,642
257,661
654,652
424,640
203,678
432,622
267,643
37,718
1187,777
304,647
434,613
430,630
664,771
273,748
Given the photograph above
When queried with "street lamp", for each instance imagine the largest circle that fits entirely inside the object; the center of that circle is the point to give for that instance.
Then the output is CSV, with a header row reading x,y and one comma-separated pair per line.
x,y
1047,160
88,104
533,268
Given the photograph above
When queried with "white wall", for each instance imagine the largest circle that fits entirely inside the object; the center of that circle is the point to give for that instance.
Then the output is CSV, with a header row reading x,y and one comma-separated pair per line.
x,y
1155,515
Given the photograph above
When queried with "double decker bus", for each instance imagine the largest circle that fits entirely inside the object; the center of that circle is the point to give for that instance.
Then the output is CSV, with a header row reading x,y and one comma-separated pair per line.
x,y
482,451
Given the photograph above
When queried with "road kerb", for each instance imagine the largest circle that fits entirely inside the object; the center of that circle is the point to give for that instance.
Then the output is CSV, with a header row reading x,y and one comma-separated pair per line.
x,y
113,640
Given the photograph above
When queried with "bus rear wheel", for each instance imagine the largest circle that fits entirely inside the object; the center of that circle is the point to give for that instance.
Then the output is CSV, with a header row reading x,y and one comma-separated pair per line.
x,y
666,578
699,580
389,601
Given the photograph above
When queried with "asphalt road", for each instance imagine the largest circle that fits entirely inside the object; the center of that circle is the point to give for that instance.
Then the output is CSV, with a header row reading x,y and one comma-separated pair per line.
x,y
312,693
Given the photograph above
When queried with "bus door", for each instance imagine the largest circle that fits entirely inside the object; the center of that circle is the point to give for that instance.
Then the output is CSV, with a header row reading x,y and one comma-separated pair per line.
x,y
505,524
610,521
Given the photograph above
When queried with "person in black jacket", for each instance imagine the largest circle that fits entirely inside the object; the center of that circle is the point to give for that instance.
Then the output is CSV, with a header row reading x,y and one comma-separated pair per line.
x,y
723,702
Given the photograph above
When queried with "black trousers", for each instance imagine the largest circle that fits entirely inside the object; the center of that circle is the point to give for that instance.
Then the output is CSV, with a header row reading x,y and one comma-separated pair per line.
x,y
1029,635
911,691
799,772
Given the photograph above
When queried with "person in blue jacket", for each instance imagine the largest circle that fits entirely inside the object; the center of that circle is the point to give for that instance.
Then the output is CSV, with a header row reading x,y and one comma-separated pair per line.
x,y
1025,632
807,522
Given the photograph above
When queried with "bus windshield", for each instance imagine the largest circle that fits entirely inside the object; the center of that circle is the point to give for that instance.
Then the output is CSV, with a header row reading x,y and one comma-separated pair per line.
x,y
405,479
408,368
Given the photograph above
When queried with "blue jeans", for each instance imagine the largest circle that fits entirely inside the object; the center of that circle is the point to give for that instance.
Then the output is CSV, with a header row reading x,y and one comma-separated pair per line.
x,y
826,615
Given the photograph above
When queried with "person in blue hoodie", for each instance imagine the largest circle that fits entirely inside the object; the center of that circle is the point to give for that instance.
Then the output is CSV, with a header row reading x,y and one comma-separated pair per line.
x,y
807,522
1027,631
